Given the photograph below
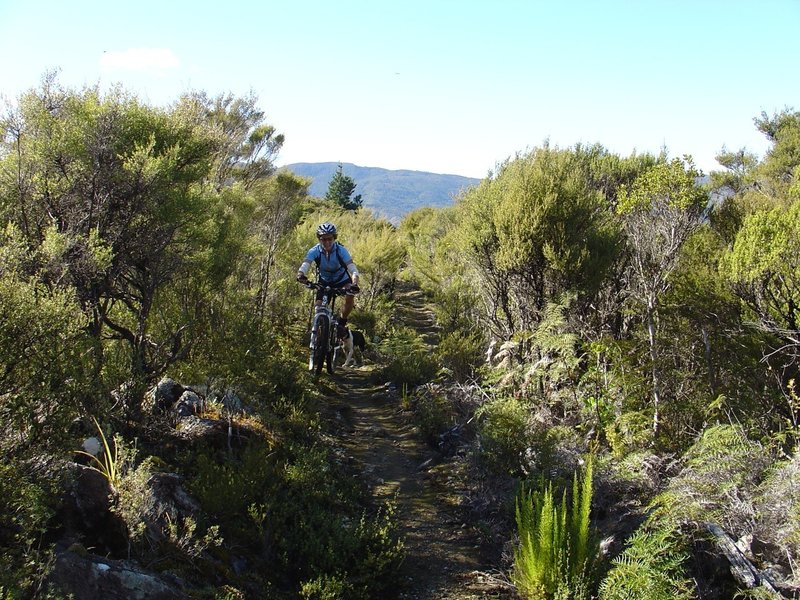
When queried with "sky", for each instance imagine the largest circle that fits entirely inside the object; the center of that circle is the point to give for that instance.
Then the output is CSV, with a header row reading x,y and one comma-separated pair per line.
x,y
445,86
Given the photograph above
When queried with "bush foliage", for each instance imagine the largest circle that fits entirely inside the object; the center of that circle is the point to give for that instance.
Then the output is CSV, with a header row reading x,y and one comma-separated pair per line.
x,y
631,311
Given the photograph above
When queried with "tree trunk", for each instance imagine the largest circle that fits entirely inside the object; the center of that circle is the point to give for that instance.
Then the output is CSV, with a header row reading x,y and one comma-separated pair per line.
x,y
651,332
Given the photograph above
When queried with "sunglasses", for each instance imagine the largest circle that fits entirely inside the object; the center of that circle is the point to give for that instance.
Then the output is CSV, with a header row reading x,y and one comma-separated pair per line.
x,y
326,238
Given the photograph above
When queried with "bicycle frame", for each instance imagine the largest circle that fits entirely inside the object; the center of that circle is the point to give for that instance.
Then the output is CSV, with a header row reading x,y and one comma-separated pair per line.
x,y
323,330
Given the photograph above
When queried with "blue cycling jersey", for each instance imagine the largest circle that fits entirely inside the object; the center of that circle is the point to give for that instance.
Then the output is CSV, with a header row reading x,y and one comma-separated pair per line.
x,y
331,266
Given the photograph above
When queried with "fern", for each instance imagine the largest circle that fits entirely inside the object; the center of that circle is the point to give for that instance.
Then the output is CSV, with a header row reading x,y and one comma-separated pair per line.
x,y
720,445
554,344
721,473
556,551
651,566
579,522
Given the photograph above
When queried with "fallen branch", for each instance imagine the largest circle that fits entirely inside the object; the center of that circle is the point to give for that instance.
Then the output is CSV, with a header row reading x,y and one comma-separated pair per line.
x,y
742,569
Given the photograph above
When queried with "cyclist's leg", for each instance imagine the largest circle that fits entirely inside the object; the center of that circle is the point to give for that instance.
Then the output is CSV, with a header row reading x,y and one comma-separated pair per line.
x,y
347,308
318,297
349,303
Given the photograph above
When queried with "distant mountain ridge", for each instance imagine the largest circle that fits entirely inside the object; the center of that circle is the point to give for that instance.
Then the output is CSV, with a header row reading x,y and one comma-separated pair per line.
x,y
391,194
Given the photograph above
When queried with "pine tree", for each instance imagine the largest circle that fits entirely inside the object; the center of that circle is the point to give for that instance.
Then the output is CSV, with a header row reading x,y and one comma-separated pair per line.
x,y
340,190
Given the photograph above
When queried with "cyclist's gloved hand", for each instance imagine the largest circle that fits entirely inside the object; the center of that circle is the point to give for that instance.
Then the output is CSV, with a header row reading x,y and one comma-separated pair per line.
x,y
354,289
302,278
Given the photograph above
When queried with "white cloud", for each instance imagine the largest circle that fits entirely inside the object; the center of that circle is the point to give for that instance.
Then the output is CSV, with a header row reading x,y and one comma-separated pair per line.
x,y
139,59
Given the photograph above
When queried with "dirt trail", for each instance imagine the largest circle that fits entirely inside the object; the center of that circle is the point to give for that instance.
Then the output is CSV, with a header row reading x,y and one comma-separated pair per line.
x,y
445,558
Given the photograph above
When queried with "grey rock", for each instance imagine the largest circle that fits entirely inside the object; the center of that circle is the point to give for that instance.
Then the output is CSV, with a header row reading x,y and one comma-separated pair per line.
x,y
165,394
188,404
88,577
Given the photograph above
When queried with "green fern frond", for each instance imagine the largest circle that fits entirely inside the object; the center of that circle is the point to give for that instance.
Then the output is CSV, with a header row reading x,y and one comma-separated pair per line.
x,y
555,551
720,475
720,442
651,566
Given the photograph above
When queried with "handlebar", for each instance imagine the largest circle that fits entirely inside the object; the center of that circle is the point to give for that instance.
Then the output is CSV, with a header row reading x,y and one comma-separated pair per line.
x,y
333,291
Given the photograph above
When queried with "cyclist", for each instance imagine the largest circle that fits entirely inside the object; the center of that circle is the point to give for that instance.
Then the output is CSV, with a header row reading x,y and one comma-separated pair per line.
x,y
335,268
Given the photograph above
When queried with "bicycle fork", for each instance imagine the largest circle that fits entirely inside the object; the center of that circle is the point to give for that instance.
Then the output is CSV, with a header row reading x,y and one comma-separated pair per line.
x,y
321,313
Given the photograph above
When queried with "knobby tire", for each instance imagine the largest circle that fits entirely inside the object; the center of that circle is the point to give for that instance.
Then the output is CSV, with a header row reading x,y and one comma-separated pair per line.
x,y
329,361
320,350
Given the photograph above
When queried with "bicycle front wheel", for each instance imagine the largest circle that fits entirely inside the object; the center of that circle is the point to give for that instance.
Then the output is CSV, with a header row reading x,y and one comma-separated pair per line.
x,y
320,349
329,361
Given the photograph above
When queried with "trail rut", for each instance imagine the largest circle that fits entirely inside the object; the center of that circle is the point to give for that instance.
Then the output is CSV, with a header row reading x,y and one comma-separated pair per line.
x,y
445,555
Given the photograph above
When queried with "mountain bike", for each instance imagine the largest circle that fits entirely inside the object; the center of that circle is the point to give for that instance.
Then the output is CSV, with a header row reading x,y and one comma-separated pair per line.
x,y
324,326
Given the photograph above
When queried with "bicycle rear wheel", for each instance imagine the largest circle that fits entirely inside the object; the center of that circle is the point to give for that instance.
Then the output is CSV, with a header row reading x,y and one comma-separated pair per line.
x,y
330,359
331,347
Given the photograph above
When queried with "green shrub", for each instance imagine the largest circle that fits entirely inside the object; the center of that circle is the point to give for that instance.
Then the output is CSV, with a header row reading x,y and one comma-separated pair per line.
x,y
408,358
246,355
365,322
318,526
454,307
373,320
630,431
295,504
460,353
556,552
24,513
228,489
504,434
325,587
43,346
433,412
227,592
317,539
379,554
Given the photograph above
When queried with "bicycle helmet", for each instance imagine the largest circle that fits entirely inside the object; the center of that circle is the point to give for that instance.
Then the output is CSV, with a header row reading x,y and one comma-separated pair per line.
x,y
327,228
